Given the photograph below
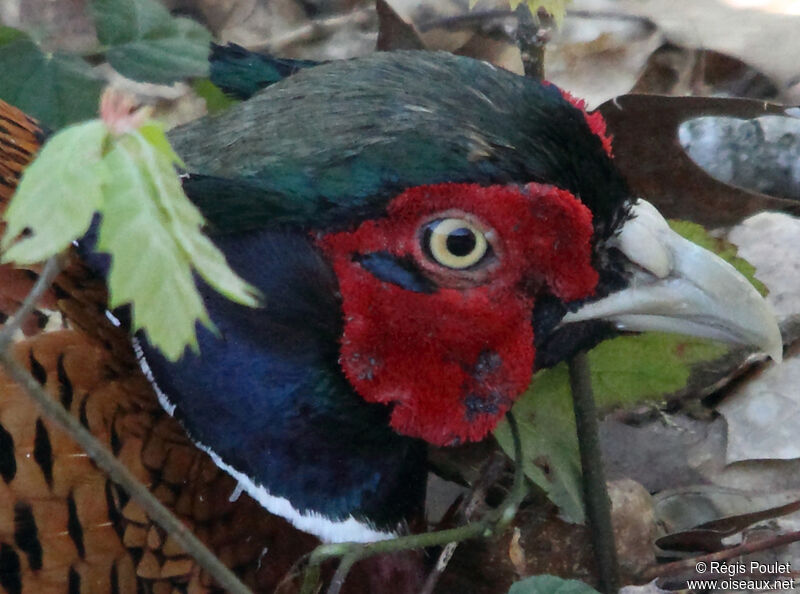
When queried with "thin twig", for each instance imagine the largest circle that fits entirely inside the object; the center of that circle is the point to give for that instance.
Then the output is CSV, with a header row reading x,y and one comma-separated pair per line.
x,y
313,29
480,18
469,20
689,565
494,522
531,40
441,564
115,470
598,505
489,474
345,565
50,271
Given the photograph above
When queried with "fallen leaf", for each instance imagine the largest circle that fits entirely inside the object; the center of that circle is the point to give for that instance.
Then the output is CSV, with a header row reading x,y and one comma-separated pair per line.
x,y
393,32
550,584
747,33
698,518
768,241
763,415
516,553
597,56
759,155
676,70
648,151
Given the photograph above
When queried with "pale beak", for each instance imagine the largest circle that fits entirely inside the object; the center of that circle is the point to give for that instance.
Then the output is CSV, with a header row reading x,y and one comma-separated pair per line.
x,y
677,286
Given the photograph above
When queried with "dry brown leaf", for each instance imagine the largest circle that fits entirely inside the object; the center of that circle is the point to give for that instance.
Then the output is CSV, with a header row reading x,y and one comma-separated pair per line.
x,y
394,33
597,57
647,150
516,553
448,26
766,39
676,70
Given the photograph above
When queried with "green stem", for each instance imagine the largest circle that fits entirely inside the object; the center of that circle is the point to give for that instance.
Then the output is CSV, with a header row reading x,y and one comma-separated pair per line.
x,y
598,505
494,522
530,42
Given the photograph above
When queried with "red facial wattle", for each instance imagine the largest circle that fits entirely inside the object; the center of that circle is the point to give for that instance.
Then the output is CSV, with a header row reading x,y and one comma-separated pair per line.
x,y
452,360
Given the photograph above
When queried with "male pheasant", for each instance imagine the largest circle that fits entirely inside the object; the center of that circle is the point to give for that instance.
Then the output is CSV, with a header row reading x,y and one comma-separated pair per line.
x,y
426,230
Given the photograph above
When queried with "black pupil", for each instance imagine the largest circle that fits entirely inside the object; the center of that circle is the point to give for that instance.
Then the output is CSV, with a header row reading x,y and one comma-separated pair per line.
x,y
461,242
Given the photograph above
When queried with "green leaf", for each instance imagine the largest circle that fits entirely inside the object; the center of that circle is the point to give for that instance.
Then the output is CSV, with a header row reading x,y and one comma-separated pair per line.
x,y
9,34
185,221
549,446
58,194
148,267
121,21
153,233
625,371
724,249
550,584
155,135
215,99
148,226
147,43
56,89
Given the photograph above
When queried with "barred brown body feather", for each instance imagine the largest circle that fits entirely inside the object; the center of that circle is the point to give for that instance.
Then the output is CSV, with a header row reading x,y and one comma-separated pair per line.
x,y
64,526
20,138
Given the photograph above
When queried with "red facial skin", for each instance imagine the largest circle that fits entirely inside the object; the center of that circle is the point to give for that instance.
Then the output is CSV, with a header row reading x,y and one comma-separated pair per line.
x,y
453,361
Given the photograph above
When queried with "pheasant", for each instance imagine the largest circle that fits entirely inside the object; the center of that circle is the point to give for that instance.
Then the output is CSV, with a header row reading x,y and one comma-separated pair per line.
x,y
426,230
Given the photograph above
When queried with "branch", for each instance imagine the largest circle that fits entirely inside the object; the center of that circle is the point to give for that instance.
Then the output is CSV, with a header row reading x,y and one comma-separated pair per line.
x,y
50,271
482,18
531,39
686,565
441,564
313,30
115,470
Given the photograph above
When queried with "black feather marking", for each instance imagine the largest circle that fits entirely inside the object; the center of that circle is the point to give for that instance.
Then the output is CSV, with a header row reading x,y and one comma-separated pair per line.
x,y
8,462
487,404
64,384
43,451
41,319
10,577
558,343
74,583
82,413
113,578
116,442
402,272
59,292
74,527
26,535
114,504
37,369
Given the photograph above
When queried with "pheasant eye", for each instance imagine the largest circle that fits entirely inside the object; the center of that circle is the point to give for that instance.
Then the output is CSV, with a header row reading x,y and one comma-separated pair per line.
x,y
454,243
